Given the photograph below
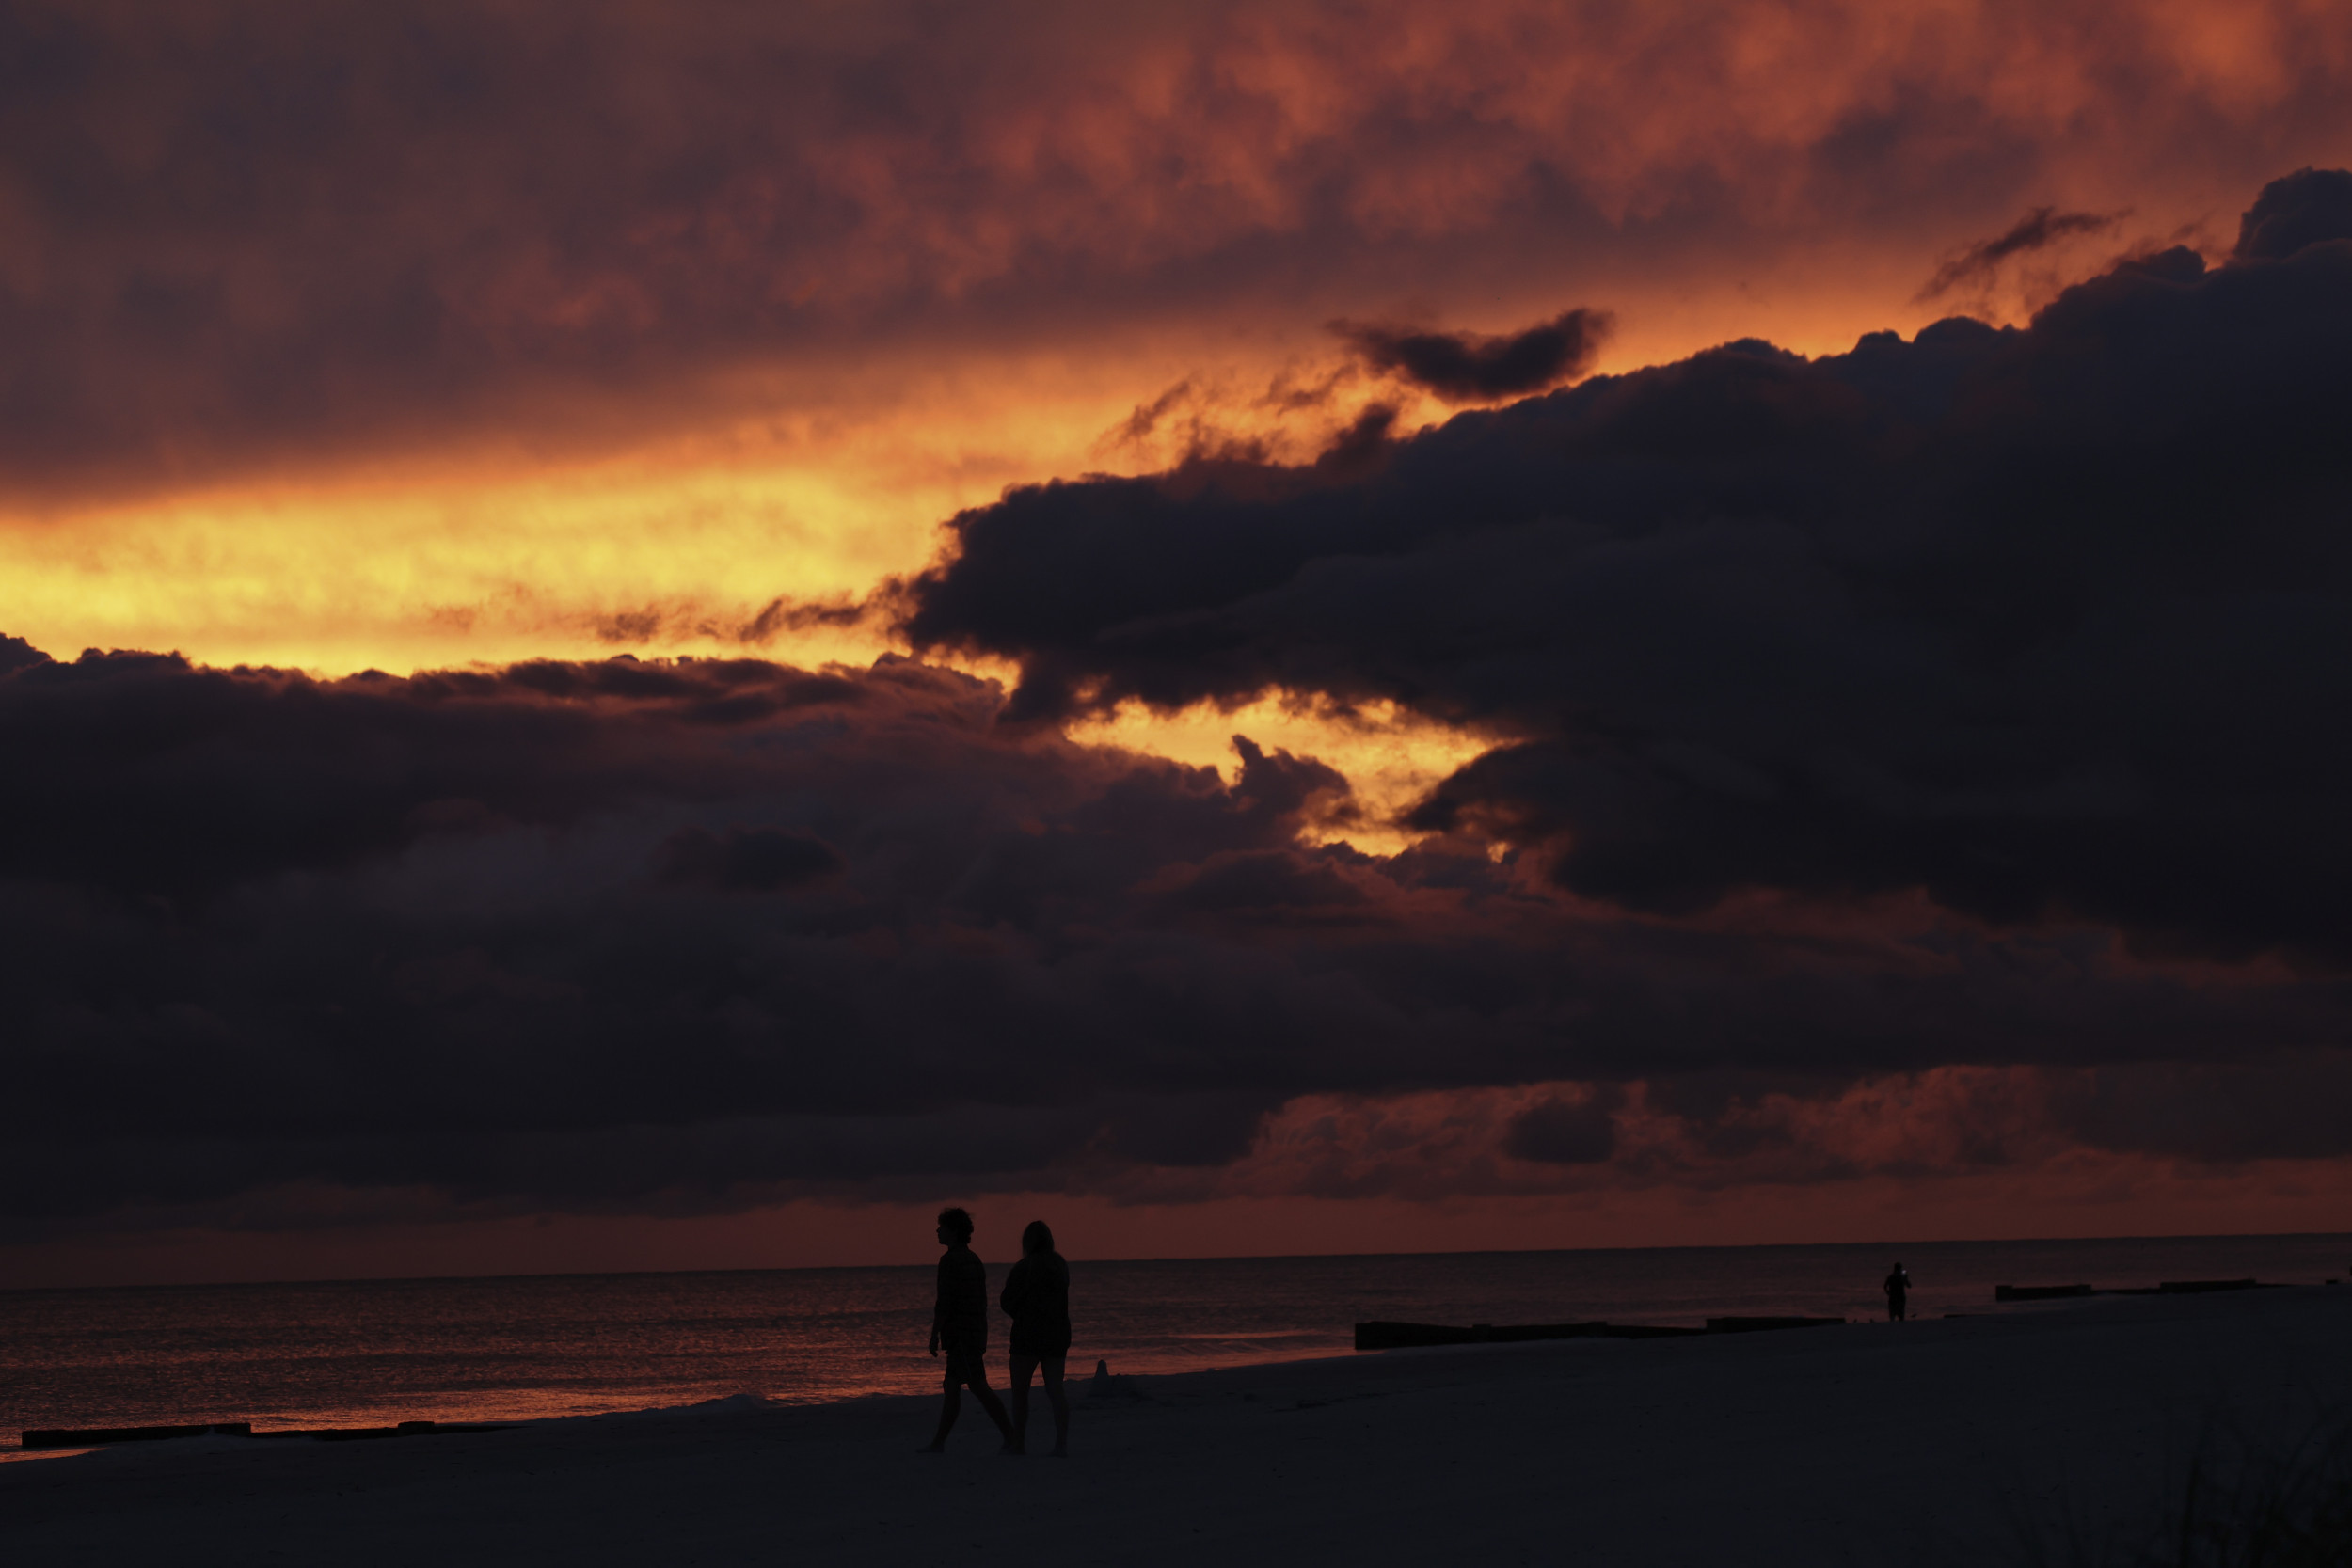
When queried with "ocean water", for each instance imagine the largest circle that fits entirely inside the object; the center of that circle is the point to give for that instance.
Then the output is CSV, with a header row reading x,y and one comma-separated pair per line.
x,y
375,1351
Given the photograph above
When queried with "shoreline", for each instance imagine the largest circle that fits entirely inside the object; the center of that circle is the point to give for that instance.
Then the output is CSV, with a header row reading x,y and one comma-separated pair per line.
x,y
260,1430
367,1355
1936,1439
379,1420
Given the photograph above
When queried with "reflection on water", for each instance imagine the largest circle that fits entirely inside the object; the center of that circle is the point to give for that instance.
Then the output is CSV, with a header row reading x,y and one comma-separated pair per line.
x,y
373,1352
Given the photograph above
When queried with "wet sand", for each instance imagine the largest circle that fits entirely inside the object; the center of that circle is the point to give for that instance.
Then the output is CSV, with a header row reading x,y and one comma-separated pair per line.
x,y
1956,1440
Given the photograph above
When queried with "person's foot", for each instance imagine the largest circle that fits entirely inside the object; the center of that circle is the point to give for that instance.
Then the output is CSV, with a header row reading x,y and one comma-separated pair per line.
x,y
1012,1450
932,1448
1058,1453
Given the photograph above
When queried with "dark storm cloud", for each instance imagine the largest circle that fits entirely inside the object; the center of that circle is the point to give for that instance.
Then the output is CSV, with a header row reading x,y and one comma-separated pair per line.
x,y
1469,367
688,936
144,775
745,860
16,653
594,932
2053,622
2037,230
2308,207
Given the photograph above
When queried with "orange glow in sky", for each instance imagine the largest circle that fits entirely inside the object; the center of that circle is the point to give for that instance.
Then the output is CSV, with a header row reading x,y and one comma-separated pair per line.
x,y
814,489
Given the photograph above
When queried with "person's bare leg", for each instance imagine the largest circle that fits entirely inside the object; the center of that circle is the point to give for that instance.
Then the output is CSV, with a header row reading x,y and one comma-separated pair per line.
x,y
995,1408
1022,1367
996,1411
950,1405
1060,1403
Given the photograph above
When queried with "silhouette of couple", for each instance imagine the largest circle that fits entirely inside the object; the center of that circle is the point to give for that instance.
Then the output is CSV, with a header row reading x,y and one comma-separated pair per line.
x,y
1036,1298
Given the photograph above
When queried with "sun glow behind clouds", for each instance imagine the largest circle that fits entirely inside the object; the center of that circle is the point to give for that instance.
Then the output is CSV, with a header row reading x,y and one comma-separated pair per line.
x,y
817,490
677,549
675,546
701,543
1390,757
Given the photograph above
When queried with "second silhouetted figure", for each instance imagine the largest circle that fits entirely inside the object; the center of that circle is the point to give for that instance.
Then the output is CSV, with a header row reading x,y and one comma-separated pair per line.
x,y
1037,1299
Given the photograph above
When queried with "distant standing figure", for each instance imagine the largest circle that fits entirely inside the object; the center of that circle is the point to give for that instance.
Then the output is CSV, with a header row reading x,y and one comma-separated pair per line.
x,y
1037,1299
1898,1286
959,1324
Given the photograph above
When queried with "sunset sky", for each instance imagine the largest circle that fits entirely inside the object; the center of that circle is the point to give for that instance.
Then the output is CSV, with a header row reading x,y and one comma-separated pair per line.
x,y
1284,627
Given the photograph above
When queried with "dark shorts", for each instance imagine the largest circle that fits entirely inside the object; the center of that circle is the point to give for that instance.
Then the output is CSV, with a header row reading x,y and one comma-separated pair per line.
x,y
966,1357
1041,1337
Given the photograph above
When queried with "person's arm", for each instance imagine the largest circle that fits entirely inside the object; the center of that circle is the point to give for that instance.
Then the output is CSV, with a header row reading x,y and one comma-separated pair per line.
x,y
939,1303
1016,1287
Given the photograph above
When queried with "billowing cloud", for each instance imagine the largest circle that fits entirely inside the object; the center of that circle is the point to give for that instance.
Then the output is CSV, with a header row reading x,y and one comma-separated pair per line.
x,y
2044,622
2307,208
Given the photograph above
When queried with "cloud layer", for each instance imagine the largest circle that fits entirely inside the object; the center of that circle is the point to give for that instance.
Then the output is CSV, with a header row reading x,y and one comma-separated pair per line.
x,y
245,234
684,938
1920,758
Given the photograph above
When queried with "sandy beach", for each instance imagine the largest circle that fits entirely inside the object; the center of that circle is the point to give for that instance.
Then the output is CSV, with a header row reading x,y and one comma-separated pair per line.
x,y
1956,1440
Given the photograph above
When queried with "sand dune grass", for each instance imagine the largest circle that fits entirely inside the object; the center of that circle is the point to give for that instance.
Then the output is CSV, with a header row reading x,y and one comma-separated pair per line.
x,y
2233,1501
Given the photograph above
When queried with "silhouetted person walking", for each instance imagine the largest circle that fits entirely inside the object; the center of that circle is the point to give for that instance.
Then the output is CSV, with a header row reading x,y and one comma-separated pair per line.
x,y
959,1324
1898,1286
1037,1299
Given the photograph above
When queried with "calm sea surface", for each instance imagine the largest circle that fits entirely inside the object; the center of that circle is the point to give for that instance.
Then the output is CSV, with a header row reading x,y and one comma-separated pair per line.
x,y
375,1351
